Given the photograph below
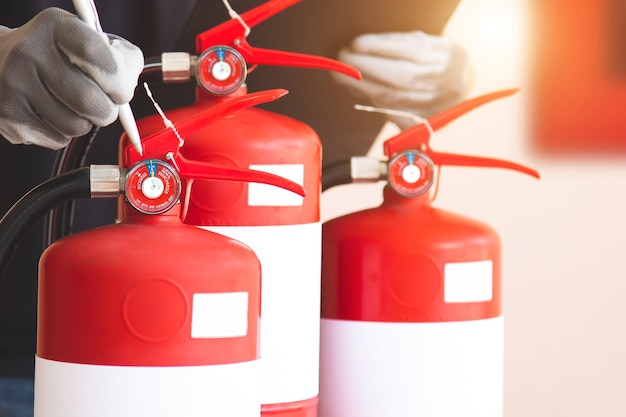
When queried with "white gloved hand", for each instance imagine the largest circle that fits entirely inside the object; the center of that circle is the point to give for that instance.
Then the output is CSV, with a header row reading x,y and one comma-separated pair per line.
x,y
407,71
59,77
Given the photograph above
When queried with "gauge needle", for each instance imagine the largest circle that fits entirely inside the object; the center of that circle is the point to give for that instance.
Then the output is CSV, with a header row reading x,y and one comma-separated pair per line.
x,y
87,12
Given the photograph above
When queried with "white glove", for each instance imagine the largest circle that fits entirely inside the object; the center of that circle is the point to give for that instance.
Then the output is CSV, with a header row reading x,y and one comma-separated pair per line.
x,y
407,71
59,77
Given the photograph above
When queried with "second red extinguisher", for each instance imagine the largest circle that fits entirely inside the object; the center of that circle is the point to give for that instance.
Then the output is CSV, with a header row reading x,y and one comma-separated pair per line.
x,y
412,320
283,229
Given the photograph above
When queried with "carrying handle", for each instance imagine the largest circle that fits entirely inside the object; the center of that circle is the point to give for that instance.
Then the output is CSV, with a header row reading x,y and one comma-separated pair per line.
x,y
449,159
165,145
233,34
418,138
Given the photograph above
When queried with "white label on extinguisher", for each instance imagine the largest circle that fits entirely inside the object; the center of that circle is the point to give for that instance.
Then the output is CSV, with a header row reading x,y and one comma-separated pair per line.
x,y
290,257
271,196
468,282
77,390
217,315
445,369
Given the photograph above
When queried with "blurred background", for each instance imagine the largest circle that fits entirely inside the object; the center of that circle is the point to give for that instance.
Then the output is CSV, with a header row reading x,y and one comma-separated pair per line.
x,y
564,236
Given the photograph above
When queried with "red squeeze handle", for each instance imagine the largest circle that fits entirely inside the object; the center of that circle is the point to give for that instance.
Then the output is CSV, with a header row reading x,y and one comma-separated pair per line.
x,y
164,145
417,136
477,161
203,170
159,144
232,33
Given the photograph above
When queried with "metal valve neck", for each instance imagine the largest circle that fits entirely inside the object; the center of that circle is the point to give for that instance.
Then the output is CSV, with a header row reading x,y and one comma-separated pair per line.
x,y
204,96
170,217
392,198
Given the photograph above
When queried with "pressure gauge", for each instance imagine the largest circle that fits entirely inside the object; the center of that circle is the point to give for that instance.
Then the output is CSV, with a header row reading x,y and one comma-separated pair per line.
x,y
411,173
221,70
152,186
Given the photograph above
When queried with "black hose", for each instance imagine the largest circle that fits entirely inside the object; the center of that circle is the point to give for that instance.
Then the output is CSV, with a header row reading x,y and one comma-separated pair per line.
x,y
336,174
58,223
40,200
152,70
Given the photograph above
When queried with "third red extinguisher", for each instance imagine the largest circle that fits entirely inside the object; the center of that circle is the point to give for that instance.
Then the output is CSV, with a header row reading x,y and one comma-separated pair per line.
x,y
411,306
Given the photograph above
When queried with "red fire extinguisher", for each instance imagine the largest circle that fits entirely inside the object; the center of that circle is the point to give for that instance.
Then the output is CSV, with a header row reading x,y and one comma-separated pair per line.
x,y
149,316
411,306
282,228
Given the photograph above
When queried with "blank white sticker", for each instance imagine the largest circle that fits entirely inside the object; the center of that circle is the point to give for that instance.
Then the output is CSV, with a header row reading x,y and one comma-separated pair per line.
x,y
219,315
271,196
468,282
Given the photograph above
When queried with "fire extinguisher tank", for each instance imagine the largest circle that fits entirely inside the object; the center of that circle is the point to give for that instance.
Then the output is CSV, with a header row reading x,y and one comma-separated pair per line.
x,y
405,258
152,316
265,141
283,229
159,331
256,139
411,319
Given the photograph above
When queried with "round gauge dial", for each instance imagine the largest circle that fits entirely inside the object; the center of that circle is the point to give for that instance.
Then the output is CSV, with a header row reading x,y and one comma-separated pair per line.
x,y
221,70
411,173
152,186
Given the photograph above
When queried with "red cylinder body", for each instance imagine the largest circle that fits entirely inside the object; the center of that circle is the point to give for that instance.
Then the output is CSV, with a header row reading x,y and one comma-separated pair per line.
x,y
148,317
411,313
283,229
